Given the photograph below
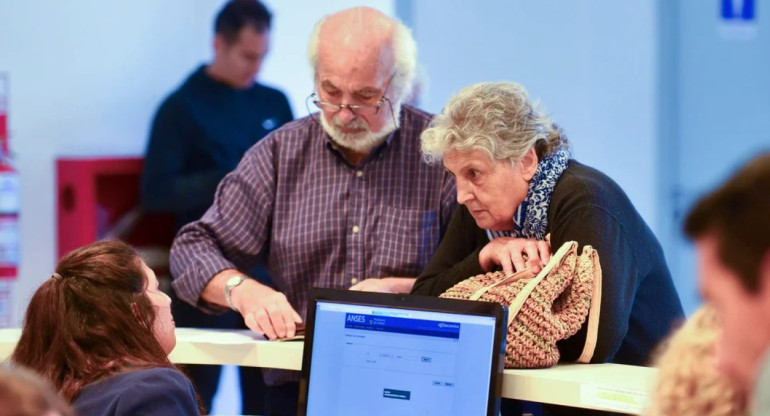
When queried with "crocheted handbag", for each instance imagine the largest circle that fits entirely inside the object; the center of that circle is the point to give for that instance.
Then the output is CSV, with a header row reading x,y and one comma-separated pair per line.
x,y
543,309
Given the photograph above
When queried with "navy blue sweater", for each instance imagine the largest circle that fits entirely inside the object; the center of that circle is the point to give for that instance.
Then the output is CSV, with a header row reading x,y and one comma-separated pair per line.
x,y
152,391
199,134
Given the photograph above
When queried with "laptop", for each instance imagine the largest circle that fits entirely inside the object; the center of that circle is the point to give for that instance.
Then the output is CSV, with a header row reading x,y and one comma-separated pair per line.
x,y
380,354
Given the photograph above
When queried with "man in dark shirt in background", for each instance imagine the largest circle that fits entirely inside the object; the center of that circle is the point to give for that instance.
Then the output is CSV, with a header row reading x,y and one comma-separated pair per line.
x,y
199,134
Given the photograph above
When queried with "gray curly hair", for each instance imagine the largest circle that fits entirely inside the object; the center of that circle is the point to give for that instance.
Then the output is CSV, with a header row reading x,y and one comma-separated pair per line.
x,y
688,382
495,117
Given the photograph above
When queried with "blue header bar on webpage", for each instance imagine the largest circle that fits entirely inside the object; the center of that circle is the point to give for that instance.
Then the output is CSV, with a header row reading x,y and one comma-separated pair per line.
x,y
440,329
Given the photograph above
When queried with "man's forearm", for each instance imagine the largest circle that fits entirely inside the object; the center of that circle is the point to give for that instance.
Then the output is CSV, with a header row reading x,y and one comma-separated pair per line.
x,y
214,291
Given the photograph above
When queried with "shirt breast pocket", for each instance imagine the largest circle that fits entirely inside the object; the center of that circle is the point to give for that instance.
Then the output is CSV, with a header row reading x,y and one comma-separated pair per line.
x,y
405,241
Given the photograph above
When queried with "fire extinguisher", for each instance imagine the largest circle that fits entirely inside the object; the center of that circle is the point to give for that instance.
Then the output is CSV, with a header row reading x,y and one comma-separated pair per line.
x,y
9,196
9,221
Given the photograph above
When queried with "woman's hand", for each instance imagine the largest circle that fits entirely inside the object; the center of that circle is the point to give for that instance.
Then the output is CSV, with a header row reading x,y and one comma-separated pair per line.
x,y
509,253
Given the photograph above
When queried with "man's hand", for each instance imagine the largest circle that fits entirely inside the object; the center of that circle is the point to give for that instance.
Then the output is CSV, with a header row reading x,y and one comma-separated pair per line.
x,y
509,252
265,310
385,285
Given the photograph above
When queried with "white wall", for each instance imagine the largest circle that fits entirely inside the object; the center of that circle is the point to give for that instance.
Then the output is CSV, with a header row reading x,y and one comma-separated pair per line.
x,y
592,64
87,75
722,98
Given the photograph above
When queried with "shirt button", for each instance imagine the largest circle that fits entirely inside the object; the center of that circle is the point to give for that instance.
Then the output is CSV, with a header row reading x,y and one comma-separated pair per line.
x,y
356,229
359,173
353,281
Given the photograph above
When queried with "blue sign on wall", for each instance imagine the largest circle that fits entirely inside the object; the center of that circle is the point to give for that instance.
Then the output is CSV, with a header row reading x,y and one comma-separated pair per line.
x,y
738,10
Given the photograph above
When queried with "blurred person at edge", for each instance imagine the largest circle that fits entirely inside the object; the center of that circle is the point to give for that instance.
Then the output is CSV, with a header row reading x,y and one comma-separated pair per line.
x,y
688,382
731,230
345,202
199,133
24,393
517,183
100,331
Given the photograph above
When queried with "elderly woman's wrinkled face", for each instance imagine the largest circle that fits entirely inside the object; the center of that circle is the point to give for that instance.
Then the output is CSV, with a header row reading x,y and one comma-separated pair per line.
x,y
490,189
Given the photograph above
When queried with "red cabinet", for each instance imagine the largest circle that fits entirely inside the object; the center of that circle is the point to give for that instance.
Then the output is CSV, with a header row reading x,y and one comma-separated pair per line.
x,y
99,198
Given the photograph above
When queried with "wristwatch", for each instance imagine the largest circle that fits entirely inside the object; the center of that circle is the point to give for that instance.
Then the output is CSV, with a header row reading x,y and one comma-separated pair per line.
x,y
230,285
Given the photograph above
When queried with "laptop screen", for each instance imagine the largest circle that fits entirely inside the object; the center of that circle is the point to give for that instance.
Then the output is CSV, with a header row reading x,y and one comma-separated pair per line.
x,y
375,354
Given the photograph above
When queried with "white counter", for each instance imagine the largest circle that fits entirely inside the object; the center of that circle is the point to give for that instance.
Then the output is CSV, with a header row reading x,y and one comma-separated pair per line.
x,y
612,387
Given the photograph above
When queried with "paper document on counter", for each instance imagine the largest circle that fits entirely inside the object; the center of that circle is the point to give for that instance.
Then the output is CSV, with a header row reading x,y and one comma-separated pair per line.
x,y
220,337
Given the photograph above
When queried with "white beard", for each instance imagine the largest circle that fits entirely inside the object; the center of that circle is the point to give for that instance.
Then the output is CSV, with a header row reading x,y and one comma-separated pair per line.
x,y
365,141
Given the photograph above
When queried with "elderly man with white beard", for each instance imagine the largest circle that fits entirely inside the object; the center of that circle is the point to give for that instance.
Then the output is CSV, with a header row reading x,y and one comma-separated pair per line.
x,y
339,199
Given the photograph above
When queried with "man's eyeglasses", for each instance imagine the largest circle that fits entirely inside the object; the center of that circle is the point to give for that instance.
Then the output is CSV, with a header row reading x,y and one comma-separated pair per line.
x,y
358,109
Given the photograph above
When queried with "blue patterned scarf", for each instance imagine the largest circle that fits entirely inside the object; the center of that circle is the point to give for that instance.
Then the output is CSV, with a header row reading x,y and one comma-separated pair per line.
x,y
531,218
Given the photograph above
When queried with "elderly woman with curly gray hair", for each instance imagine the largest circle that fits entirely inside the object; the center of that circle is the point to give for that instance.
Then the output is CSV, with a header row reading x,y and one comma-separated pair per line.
x,y
517,183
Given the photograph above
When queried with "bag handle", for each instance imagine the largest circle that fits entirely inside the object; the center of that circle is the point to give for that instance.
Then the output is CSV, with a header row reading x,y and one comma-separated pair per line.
x,y
522,296
524,274
593,313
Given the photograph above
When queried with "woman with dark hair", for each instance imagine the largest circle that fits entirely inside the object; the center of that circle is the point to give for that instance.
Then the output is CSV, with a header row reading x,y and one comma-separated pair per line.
x,y
100,331
517,183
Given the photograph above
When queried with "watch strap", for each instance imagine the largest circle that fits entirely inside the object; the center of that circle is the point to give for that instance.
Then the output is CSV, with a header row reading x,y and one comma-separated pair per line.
x,y
229,286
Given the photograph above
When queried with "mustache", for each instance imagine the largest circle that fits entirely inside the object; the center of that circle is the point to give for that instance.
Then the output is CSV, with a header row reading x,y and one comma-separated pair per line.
x,y
353,124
